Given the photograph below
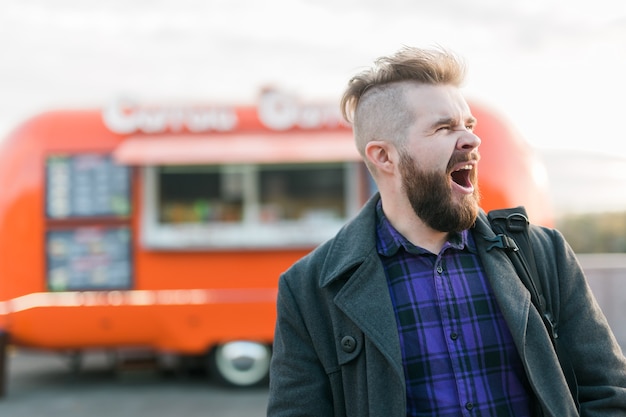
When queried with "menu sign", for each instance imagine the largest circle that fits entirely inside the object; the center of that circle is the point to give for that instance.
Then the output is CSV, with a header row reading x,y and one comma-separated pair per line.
x,y
86,185
89,258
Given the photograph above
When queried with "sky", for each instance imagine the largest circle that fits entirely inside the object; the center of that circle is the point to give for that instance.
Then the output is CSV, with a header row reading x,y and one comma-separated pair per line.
x,y
554,68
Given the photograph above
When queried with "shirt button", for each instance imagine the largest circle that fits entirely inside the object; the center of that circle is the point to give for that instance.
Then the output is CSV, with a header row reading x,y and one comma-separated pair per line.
x,y
454,335
439,269
469,406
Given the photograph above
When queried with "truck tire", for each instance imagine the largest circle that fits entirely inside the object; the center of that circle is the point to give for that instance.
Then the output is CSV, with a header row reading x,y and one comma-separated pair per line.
x,y
241,363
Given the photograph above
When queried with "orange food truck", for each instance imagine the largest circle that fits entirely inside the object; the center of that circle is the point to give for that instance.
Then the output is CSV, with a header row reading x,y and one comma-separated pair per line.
x,y
166,227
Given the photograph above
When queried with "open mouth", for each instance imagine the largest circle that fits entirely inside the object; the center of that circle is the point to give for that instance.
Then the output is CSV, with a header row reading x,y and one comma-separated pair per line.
x,y
461,176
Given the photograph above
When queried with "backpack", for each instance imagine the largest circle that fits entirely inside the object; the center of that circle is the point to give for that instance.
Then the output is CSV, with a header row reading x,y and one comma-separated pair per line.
x,y
511,227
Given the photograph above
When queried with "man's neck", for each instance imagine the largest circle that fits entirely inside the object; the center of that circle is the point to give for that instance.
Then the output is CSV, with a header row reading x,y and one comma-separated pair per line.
x,y
406,222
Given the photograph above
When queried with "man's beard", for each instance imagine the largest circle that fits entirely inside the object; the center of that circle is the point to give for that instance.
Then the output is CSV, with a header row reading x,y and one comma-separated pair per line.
x,y
430,195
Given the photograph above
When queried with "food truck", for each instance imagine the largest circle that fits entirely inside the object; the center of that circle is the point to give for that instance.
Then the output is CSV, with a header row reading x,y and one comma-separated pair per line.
x,y
166,227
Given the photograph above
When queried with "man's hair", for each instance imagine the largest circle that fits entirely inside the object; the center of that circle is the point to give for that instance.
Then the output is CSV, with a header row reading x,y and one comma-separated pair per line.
x,y
374,100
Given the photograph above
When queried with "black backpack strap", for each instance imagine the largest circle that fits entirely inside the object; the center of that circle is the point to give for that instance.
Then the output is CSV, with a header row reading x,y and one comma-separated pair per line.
x,y
511,229
512,235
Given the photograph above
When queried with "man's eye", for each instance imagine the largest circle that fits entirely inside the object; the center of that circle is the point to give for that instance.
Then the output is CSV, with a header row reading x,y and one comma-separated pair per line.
x,y
470,127
443,128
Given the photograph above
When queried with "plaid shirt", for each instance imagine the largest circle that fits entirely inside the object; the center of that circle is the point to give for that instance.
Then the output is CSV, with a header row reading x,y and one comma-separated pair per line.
x,y
458,355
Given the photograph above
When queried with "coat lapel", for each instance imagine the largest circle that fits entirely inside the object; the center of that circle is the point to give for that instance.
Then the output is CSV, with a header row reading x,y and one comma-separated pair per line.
x,y
365,300
364,296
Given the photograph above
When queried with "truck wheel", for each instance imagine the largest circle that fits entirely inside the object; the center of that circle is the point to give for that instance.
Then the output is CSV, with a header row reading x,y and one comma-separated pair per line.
x,y
241,363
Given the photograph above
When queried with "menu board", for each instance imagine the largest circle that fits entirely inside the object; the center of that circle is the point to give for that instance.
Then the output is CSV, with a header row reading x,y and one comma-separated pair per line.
x,y
86,185
89,258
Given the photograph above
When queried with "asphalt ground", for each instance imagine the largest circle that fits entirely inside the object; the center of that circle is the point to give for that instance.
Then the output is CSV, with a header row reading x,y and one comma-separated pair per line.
x,y
48,385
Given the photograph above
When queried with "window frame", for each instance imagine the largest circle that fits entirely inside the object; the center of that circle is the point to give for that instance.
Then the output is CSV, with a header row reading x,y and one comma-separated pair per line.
x,y
250,233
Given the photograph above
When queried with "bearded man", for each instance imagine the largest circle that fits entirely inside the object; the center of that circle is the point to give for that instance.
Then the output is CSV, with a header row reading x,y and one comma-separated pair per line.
x,y
405,312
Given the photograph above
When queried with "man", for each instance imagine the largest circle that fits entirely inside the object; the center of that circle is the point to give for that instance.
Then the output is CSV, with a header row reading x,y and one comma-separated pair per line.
x,y
405,312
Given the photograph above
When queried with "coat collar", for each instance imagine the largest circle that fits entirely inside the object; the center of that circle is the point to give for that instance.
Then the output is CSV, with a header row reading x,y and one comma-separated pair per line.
x,y
355,247
364,297
356,241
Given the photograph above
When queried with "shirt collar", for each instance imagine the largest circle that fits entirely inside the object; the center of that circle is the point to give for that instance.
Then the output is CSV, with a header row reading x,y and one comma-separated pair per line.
x,y
389,240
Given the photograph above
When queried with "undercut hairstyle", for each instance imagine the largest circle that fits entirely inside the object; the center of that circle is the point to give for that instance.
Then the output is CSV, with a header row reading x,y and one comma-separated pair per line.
x,y
374,101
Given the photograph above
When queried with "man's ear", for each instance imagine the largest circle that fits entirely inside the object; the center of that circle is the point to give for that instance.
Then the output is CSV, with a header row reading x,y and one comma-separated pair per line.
x,y
381,154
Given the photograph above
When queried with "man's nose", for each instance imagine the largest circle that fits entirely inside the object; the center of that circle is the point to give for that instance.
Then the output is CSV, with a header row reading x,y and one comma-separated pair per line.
x,y
468,140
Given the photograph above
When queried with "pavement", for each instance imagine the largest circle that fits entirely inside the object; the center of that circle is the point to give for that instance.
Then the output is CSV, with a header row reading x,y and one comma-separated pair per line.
x,y
45,384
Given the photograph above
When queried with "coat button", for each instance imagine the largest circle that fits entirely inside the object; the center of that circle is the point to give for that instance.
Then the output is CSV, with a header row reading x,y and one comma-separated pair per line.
x,y
348,344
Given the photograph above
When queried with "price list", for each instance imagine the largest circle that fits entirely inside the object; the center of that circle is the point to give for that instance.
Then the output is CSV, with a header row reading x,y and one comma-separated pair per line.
x,y
89,258
86,185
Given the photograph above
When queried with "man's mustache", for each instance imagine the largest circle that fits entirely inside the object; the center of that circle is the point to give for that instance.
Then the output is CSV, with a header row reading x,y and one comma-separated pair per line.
x,y
460,157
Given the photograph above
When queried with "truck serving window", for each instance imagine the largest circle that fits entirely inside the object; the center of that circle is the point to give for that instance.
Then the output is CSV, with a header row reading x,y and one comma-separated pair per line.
x,y
247,205
200,195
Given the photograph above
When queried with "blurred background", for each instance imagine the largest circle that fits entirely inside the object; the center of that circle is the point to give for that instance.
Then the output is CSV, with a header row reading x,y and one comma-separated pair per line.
x,y
554,68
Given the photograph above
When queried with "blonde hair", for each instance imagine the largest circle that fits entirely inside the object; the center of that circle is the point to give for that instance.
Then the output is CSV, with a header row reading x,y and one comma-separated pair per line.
x,y
374,100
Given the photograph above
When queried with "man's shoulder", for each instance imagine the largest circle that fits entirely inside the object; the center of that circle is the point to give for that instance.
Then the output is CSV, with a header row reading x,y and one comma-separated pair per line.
x,y
313,259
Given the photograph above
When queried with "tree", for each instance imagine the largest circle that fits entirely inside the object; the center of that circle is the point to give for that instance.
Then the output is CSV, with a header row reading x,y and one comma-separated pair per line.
x,y
595,232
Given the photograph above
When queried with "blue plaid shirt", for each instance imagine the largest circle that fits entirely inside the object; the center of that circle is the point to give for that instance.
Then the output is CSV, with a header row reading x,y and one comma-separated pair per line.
x,y
458,355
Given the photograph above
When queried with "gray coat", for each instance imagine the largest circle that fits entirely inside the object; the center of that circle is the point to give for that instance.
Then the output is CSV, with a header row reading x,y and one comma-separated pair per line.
x,y
337,351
